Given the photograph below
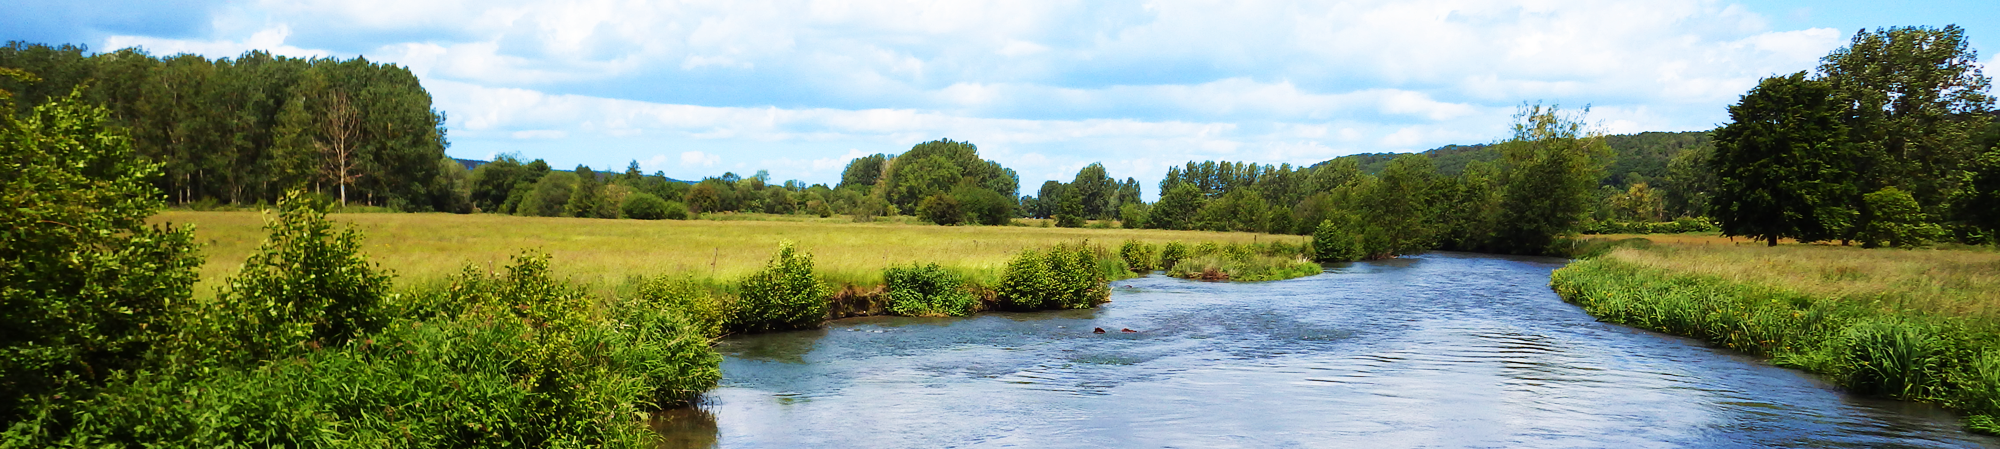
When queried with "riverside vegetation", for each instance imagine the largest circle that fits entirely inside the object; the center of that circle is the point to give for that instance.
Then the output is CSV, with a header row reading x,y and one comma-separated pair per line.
x,y
1910,324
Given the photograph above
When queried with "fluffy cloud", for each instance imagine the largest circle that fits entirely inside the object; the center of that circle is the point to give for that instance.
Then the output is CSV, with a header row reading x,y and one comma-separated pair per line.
x,y
1042,86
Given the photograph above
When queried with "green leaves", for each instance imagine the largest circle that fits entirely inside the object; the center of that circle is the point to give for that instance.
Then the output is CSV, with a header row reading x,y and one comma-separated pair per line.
x,y
1063,277
1783,163
927,290
786,294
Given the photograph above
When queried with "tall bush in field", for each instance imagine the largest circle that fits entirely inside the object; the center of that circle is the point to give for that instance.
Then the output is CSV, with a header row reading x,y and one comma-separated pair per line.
x,y
86,286
307,284
786,294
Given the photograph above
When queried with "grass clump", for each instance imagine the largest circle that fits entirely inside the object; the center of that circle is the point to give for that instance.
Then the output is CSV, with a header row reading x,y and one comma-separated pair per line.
x,y
1065,276
786,294
1869,339
927,290
1246,262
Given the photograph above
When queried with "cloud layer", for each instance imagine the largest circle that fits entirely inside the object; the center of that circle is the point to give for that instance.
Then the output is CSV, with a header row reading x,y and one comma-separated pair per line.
x,y
696,87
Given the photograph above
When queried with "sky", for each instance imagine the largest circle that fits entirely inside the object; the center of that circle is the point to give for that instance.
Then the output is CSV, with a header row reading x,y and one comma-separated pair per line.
x,y
697,88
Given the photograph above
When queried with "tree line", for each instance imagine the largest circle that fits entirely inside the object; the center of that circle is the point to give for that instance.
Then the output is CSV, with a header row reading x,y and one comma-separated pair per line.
x,y
243,130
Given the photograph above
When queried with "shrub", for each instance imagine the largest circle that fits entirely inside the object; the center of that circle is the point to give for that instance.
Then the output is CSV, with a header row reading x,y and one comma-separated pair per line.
x,y
709,311
1139,256
1171,254
941,209
1063,277
1335,242
1895,219
307,286
784,295
87,288
645,206
927,290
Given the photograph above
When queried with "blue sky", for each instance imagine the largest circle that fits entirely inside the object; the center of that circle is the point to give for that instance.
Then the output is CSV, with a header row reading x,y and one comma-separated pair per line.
x,y
697,88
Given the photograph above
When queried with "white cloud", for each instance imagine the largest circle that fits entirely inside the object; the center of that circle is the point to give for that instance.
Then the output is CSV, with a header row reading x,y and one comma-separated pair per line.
x,y
699,159
539,134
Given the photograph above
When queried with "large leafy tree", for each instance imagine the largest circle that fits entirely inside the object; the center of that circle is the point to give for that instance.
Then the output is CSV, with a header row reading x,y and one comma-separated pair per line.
x,y
1096,190
1552,165
1914,96
1783,163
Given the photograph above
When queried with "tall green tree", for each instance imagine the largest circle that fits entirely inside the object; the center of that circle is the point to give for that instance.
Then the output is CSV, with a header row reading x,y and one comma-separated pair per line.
x,y
1783,163
1096,190
1179,207
1914,95
1553,163
587,198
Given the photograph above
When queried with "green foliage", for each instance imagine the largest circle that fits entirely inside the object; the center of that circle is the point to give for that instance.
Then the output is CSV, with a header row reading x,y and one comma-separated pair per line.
x,y
786,294
1247,263
243,130
1062,277
1782,163
1139,256
86,286
1978,205
1895,219
1069,209
1338,240
939,166
1172,253
707,310
941,209
1682,225
1133,215
1178,208
927,290
645,206
983,206
1552,165
549,197
586,198
704,197
307,286
1911,97
863,172
1096,192
1897,353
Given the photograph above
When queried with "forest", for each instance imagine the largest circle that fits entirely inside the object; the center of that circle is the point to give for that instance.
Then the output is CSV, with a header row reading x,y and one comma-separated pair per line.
x,y
241,131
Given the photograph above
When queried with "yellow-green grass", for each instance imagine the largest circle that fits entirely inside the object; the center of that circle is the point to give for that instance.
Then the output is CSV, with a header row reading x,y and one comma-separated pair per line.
x,y
1943,282
608,253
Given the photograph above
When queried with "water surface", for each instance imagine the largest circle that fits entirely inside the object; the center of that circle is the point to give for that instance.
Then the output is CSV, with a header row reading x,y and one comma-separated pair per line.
x,y
1440,350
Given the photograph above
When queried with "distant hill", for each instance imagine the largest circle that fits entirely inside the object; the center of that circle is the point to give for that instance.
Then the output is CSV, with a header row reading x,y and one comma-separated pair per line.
x,y
475,163
1645,154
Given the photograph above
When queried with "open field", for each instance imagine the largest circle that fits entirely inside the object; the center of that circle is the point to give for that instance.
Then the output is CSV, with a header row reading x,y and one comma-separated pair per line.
x,y
605,253
1946,282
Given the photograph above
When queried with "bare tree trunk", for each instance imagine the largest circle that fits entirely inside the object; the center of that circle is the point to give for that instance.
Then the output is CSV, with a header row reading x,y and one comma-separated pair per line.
x,y
339,132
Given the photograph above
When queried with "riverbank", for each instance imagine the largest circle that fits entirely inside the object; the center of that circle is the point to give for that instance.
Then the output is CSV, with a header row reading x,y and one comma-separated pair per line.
x,y
1919,325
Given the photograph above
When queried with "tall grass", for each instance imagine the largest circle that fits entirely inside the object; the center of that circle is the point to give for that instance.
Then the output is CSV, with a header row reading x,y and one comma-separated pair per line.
x,y
1915,325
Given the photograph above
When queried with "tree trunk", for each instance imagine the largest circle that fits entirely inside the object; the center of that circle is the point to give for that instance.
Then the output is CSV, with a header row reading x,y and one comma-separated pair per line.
x,y
1774,241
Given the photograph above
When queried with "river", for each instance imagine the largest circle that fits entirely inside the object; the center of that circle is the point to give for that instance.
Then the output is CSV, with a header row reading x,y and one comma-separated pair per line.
x,y
1438,350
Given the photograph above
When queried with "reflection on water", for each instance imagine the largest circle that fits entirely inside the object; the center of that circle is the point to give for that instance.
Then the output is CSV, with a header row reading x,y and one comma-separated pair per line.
x,y
690,427
1444,350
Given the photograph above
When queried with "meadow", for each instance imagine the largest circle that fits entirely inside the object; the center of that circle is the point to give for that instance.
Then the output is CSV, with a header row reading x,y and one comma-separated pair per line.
x,y
608,254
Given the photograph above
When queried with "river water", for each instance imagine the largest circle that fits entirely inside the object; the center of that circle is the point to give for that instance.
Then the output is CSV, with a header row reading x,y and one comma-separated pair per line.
x,y
1438,350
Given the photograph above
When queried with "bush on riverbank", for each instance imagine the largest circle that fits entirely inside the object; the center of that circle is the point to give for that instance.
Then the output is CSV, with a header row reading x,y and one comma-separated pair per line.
x,y
927,290
1066,276
1871,346
1139,256
1250,262
786,294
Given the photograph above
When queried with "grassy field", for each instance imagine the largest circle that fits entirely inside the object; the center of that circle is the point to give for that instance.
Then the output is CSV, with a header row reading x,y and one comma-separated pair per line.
x,y
607,253
1946,282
